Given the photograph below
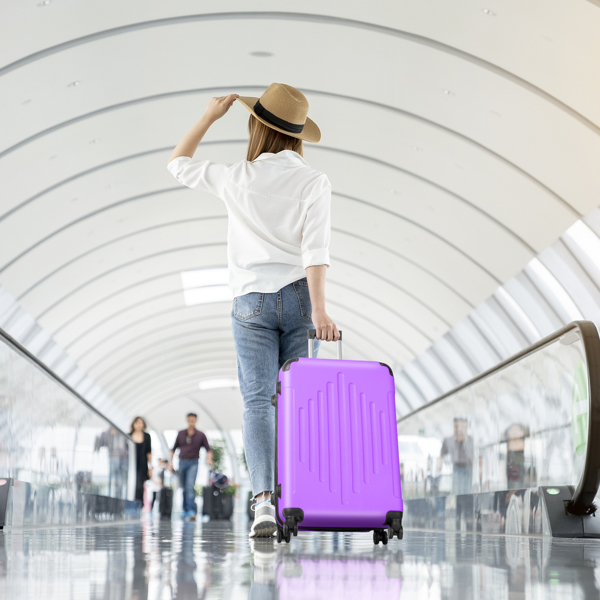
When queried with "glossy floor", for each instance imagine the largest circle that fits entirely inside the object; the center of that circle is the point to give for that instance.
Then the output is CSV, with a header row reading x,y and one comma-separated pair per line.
x,y
160,560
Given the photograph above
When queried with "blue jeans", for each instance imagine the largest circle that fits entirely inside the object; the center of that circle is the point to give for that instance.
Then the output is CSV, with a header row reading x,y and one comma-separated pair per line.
x,y
188,469
268,329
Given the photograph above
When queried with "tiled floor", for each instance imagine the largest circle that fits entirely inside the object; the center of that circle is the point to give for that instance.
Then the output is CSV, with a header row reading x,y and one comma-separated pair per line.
x,y
160,560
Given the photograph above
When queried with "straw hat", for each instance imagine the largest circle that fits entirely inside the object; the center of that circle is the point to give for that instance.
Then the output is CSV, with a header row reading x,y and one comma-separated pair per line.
x,y
285,109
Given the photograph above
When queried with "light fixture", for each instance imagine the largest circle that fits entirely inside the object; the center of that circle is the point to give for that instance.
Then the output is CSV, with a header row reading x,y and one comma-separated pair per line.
x,y
204,286
26,101
213,384
449,93
95,141
44,2
261,54
417,149
74,83
490,13
585,238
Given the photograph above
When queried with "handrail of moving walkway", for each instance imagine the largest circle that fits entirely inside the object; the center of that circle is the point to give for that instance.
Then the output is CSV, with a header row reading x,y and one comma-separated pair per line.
x,y
582,501
10,341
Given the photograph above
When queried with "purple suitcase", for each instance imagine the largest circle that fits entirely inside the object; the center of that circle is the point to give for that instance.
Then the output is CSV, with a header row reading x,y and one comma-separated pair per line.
x,y
336,461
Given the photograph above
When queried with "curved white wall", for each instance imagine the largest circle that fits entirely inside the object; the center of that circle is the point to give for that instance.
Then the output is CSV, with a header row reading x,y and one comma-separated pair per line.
x,y
461,140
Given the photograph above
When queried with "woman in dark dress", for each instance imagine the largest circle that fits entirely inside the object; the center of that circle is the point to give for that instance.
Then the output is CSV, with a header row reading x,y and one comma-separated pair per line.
x,y
143,447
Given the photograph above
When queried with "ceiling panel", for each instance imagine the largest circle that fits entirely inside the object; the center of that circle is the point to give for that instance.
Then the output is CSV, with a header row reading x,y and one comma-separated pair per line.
x,y
455,157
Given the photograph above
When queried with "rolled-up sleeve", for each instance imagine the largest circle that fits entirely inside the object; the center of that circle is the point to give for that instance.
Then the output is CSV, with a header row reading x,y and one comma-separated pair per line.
x,y
202,175
316,231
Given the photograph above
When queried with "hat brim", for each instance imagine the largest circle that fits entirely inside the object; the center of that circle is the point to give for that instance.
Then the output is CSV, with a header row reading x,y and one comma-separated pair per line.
x,y
310,132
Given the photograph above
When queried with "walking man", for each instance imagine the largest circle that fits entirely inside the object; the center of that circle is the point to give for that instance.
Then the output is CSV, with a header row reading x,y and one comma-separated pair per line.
x,y
189,441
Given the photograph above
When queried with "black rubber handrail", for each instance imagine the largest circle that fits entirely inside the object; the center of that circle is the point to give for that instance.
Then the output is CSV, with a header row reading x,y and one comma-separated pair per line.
x,y
582,501
10,341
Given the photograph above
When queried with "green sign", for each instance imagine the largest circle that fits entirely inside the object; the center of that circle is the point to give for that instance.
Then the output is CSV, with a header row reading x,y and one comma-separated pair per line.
x,y
579,409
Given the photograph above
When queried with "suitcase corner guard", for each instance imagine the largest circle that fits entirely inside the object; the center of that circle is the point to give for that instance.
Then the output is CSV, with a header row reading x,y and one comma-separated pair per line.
x,y
288,363
388,368
293,516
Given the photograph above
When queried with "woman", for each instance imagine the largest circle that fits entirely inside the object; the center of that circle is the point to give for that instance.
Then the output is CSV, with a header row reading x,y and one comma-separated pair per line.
x,y
143,449
278,254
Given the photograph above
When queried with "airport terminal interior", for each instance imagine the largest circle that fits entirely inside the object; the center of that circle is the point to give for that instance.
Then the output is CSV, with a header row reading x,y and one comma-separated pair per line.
x,y
462,143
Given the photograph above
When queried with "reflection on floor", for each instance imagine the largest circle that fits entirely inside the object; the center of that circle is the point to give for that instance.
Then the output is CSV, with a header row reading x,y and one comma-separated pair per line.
x,y
160,560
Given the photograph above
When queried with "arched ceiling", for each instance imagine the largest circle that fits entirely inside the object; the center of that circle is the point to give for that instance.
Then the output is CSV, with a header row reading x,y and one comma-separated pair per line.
x,y
461,140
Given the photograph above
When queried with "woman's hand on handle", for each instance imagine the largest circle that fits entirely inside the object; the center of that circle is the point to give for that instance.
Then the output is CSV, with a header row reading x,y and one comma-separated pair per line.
x,y
326,329
324,325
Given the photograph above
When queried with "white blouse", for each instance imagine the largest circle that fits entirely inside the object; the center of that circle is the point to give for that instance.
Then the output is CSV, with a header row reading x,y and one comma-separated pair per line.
x,y
279,216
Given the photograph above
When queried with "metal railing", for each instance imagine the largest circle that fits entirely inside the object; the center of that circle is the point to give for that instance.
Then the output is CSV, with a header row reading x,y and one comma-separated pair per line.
x,y
568,357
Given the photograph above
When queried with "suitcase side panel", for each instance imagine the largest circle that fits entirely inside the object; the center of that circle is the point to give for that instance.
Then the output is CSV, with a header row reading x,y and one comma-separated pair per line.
x,y
337,443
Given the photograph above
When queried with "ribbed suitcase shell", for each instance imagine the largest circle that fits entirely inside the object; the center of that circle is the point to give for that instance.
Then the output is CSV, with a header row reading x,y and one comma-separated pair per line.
x,y
337,444
338,579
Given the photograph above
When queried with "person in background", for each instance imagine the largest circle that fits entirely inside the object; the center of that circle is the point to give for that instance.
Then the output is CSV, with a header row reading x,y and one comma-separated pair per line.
x,y
460,449
189,441
118,456
143,447
516,469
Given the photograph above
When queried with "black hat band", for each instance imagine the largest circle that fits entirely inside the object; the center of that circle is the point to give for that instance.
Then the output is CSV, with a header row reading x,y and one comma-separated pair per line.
x,y
269,117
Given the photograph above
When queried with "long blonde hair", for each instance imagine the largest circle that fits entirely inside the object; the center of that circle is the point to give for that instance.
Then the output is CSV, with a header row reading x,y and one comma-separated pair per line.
x,y
265,139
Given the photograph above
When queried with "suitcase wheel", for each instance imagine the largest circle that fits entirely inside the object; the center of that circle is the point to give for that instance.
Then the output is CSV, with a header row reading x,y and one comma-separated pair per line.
x,y
279,536
380,535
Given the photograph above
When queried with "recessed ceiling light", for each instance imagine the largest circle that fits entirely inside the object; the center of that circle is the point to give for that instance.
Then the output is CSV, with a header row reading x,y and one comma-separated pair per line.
x,y
212,384
207,295
449,92
204,286
261,54
417,149
74,83
487,11
44,2
95,141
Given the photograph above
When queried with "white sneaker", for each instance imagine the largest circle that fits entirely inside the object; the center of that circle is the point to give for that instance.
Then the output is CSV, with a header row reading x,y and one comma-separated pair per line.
x,y
264,520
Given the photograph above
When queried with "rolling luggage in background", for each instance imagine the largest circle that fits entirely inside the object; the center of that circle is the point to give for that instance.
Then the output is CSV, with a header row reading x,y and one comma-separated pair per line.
x,y
165,502
216,502
337,466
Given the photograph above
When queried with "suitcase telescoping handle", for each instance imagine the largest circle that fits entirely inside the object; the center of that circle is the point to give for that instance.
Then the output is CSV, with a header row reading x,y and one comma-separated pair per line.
x,y
312,334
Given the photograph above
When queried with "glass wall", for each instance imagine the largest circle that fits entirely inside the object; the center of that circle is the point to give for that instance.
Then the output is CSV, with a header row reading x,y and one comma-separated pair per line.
x,y
523,426
54,445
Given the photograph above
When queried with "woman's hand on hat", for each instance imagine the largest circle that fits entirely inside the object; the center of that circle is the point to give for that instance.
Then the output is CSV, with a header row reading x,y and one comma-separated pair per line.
x,y
219,105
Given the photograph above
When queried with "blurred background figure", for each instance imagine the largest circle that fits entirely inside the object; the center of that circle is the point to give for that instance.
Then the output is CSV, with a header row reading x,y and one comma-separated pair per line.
x,y
158,479
189,441
118,460
143,447
517,473
459,447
